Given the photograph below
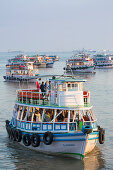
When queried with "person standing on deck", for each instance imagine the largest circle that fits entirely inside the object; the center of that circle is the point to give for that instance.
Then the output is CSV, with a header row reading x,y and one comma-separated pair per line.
x,y
42,87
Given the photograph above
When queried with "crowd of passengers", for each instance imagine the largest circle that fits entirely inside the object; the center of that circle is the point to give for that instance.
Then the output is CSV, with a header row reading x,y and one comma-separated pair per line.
x,y
36,114
44,87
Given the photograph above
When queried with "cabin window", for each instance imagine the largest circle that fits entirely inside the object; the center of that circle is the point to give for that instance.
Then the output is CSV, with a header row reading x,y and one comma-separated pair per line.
x,y
72,87
61,116
48,115
24,113
72,116
20,113
29,115
15,111
60,87
64,87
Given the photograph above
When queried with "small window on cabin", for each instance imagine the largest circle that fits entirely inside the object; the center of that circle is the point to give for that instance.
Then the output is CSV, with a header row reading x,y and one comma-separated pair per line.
x,y
64,87
60,87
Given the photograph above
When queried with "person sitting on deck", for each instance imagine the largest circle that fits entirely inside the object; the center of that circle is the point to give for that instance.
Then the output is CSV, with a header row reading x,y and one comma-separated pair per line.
x,y
38,116
47,117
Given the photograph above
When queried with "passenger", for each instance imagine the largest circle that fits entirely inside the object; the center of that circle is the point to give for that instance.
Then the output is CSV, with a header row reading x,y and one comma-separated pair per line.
x,y
46,86
47,117
34,117
38,116
24,114
49,86
42,87
60,118
37,85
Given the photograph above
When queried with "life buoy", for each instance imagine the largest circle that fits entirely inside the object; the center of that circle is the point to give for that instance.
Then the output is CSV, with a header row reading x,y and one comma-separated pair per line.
x,y
26,140
35,140
18,135
86,129
48,138
101,136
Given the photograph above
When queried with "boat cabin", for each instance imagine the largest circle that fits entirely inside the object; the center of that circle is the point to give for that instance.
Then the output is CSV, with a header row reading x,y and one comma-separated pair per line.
x,y
38,119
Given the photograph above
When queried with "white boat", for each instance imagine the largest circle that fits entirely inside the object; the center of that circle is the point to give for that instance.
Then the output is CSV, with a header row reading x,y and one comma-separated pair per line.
x,y
20,71
81,63
103,61
61,121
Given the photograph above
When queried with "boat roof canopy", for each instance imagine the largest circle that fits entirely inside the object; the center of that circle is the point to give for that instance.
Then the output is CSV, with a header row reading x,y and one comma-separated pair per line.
x,y
63,80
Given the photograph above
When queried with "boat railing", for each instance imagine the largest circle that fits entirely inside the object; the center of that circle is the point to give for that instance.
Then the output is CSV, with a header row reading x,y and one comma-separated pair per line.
x,y
44,126
45,98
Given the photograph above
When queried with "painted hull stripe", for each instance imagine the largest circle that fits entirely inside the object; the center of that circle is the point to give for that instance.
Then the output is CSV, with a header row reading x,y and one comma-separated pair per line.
x,y
73,154
93,138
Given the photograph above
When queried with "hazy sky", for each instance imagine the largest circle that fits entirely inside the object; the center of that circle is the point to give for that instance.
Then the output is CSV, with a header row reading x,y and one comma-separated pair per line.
x,y
56,25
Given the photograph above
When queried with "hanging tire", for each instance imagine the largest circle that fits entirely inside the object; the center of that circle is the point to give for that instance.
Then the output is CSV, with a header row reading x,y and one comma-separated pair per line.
x,y
7,122
101,136
48,138
8,130
13,134
26,140
35,140
18,135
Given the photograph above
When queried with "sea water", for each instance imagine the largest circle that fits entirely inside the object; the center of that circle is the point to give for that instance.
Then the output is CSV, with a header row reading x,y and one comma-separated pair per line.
x,y
15,156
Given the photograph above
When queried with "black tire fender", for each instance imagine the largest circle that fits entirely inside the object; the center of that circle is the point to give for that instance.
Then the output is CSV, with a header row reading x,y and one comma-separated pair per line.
x,y
101,136
7,122
35,140
26,140
48,138
18,135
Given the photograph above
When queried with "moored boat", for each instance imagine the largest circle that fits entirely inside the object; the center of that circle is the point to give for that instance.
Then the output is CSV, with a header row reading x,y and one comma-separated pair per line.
x,y
58,121
20,71
80,63
103,61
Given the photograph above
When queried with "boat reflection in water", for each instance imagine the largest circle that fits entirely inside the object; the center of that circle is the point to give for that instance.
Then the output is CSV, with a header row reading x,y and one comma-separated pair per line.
x,y
94,160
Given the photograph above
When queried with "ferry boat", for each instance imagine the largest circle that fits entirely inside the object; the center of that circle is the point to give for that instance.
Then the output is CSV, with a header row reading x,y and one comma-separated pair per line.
x,y
103,61
21,71
59,121
80,63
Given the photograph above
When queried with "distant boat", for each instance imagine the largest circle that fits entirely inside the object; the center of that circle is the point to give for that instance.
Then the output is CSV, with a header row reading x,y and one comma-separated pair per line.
x,y
19,69
80,63
103,61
